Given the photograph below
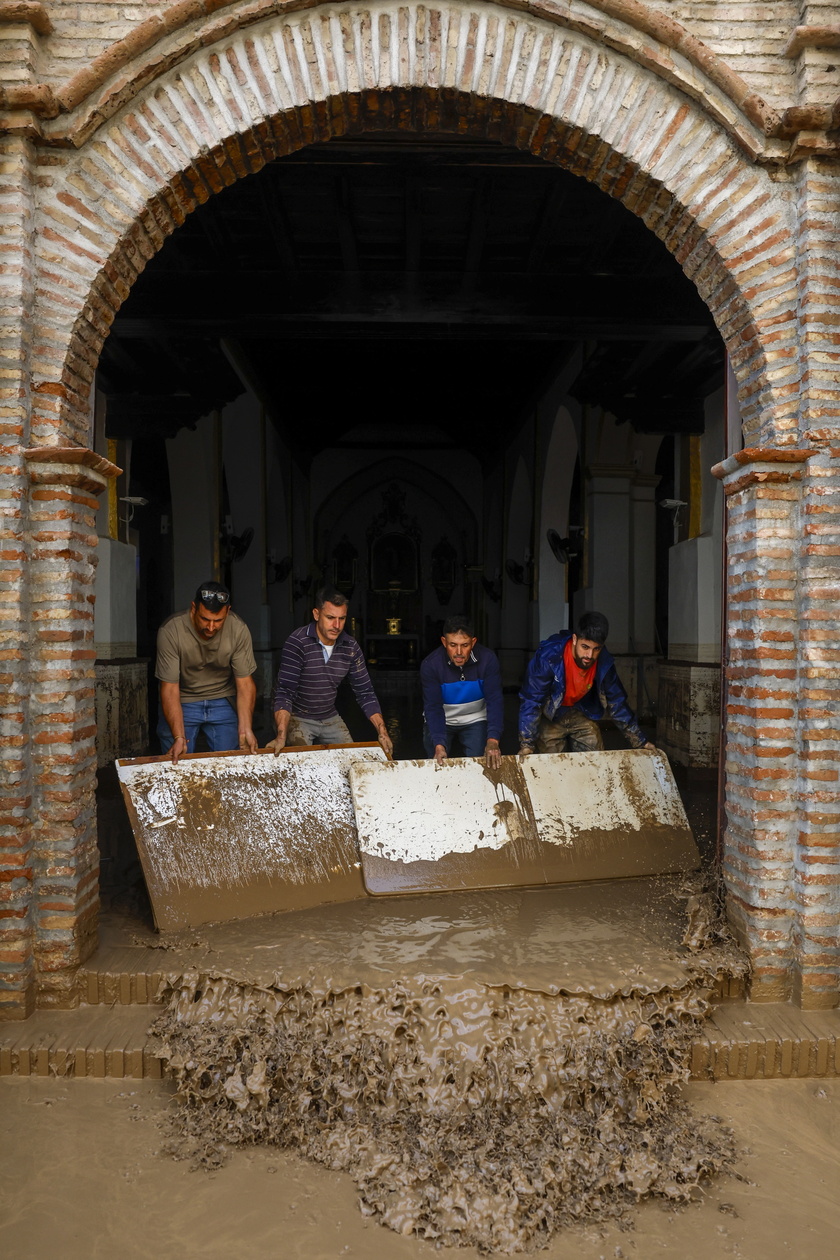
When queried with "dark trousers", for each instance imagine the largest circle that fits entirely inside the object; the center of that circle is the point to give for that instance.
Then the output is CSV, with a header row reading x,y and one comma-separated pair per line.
x,y
571,731
472,739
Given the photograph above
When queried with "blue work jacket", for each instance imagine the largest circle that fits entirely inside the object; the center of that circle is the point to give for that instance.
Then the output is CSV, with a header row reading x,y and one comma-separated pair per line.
x,y
545,685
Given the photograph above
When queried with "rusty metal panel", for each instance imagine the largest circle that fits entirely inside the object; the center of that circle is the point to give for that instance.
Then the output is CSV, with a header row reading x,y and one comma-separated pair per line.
x,y
544,819
229,835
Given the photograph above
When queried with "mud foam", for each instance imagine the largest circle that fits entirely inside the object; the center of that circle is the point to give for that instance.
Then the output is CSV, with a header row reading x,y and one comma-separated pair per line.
x,y
466,1113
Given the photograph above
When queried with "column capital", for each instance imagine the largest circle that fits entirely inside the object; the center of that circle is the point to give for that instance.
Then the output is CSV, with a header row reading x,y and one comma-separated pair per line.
x,y
756,465
26,13
69,466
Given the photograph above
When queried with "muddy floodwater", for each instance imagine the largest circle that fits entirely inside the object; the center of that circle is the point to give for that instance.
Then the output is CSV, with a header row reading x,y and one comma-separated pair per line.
x,y
487,1067
84,1178
477,1073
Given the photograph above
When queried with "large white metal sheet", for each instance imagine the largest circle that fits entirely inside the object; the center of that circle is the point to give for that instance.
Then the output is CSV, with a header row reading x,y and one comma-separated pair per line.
x,y
227,836
550,818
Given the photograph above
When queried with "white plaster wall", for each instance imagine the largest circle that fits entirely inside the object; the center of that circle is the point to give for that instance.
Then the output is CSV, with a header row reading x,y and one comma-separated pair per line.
x,y
244,474
610,524
695,566
694,600
278,535
115,610
193,479
553,608
514,648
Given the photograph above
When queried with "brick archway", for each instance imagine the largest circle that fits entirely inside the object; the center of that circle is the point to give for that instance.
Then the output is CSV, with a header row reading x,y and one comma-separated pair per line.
x,y
478,70
140,146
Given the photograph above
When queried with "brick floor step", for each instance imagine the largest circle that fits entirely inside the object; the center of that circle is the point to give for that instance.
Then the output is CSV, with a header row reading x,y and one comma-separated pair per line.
x,y
746,1041
122,977
741,1041
92,1041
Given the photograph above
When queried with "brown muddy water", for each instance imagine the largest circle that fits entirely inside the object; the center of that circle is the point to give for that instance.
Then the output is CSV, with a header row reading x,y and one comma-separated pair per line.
x,y
488,1068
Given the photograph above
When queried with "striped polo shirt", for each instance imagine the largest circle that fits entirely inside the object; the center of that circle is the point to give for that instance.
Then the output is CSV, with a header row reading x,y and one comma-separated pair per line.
x,y
307,684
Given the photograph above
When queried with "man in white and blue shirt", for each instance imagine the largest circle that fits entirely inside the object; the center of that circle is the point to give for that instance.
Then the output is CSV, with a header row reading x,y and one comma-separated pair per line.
x,y
462,696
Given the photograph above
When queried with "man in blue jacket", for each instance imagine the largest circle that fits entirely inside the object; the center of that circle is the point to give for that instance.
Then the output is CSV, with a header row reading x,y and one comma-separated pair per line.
x,y
571,683
462,696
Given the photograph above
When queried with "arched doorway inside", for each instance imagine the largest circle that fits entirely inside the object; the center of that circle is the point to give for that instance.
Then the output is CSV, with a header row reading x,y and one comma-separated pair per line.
x,y
135,156
418,340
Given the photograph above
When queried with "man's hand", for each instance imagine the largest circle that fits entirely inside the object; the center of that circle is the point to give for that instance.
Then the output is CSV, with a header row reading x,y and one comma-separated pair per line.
x,y
440,754
247,740
492,754
649,747
382,735
281,718
525,750
170,702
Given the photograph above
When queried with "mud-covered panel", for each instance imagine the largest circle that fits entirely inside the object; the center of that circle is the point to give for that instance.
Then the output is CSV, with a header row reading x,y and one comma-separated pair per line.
x,y
609,815
556,818
226,837
427,828
623,791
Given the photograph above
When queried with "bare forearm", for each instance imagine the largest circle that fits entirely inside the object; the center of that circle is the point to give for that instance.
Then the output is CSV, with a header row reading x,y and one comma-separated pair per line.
x,y
382,734
170,700
246,698
282,717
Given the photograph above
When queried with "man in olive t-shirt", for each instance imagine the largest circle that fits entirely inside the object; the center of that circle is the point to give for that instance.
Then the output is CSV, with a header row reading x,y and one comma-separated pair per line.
x,y
205,662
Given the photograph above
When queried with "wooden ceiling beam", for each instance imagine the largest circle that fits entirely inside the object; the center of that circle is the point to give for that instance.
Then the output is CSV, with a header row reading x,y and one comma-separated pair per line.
x,y
410,325
480,210
271,200
413,229
553,201
347,236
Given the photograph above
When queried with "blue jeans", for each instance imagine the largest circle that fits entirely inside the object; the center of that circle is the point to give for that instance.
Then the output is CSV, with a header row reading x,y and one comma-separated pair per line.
x,y
217,718
472,739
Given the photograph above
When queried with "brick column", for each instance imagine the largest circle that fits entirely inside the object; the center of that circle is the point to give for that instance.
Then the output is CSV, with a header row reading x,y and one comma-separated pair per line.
x,y
64,485
17,285
764,749
817,864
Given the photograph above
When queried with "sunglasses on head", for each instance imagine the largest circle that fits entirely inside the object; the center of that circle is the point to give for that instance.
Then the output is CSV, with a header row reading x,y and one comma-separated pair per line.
x,y
218,597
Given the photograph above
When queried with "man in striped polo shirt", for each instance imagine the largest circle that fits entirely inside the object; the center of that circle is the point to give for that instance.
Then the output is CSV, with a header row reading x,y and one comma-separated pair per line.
x,y
315,661
462,696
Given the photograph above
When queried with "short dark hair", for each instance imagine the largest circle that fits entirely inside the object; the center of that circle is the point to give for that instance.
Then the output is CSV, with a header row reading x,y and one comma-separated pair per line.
x,y
459,624
212,595
593,626
329,595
